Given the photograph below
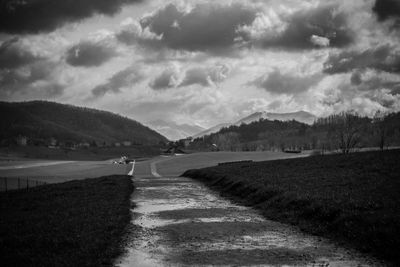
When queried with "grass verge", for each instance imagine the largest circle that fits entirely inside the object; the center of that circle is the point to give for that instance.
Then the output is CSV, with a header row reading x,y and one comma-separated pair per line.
x,y
352,198
77,223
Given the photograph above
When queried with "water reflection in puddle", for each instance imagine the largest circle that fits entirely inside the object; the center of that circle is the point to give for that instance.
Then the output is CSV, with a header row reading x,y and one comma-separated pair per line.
x,y
168,209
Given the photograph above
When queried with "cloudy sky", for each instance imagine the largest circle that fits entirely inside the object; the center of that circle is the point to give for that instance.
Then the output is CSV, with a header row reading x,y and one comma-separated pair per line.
x,y
203,62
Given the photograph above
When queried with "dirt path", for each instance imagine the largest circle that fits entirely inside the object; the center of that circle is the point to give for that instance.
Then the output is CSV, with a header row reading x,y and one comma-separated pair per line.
x,y
179,222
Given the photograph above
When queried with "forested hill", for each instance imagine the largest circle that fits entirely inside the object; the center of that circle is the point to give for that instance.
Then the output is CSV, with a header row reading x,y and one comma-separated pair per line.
x,y
342,131
41,120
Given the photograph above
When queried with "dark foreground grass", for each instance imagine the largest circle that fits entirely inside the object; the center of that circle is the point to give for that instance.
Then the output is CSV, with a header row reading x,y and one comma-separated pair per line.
x,y
352,198
77,223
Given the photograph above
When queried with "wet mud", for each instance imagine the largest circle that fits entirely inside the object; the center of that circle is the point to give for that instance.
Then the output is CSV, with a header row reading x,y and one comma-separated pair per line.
x,y
179,222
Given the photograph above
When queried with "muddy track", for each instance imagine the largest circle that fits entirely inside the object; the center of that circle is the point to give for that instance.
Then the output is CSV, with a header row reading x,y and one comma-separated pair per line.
x,y
179,222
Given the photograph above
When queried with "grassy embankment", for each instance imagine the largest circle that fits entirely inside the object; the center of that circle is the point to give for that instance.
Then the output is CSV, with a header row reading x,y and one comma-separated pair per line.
x,y
77,223
352,198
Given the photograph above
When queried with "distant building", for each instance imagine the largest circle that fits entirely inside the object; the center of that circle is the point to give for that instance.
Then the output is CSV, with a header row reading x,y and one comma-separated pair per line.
x,y
214,147
173,150
84,144
70,145
260,148
52,142
22,140
117,144
103,144
126,143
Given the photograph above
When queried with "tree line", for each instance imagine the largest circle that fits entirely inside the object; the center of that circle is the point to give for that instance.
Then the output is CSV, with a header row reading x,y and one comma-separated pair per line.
x,y
344,131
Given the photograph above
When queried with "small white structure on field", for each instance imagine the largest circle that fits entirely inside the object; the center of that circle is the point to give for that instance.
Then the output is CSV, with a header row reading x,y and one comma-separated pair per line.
x,y
132,171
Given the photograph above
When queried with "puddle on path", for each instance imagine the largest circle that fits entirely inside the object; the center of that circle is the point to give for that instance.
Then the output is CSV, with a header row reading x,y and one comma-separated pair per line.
x,y
180,222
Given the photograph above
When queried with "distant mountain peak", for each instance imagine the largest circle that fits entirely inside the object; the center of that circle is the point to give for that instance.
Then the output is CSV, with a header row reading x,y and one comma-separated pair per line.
x,y
175,131
300,116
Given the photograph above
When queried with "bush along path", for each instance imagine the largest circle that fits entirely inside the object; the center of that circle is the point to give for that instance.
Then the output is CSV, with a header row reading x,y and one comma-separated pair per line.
x,y
77,223
353,198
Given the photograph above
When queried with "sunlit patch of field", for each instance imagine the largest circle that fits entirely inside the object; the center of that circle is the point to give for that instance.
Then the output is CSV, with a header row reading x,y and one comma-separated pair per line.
x,y
176,165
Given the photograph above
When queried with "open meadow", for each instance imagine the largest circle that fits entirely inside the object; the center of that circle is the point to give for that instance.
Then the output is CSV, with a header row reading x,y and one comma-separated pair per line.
x,y
56,171
179,164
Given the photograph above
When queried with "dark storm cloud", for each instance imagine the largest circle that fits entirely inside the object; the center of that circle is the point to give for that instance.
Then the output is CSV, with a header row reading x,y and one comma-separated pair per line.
x,y
356,78
38,71
384,58
311,29
13,55
52,89
167,79
278,83
207,27
89,54
34,16
376,82
126,77
196,76
386,9
14,81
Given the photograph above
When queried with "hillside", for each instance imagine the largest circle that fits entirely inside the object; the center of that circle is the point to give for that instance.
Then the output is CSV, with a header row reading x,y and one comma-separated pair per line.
x,y
212,130
343,131
41,120
299,116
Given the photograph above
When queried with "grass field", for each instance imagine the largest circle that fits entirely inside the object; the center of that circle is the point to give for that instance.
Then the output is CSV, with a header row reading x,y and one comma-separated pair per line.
x,y
77,223
179,164
92,153
59,173
352,198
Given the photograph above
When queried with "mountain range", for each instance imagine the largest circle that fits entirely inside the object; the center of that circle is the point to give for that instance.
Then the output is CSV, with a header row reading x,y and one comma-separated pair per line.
x,y
300,116
174,131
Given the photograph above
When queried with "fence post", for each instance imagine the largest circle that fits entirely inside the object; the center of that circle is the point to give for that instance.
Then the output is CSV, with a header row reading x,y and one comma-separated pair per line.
x,y
27,184
19,183
5,182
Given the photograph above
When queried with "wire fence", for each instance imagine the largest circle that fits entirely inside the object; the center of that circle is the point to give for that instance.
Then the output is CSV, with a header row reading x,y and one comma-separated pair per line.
x,y
17,183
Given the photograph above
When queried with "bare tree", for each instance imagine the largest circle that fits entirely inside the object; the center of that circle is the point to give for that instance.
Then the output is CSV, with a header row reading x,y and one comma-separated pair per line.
x,y
227,141
348,128
381,127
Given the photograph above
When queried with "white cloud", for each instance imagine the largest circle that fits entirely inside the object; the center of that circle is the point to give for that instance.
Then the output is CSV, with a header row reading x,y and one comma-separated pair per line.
x,y
319,40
